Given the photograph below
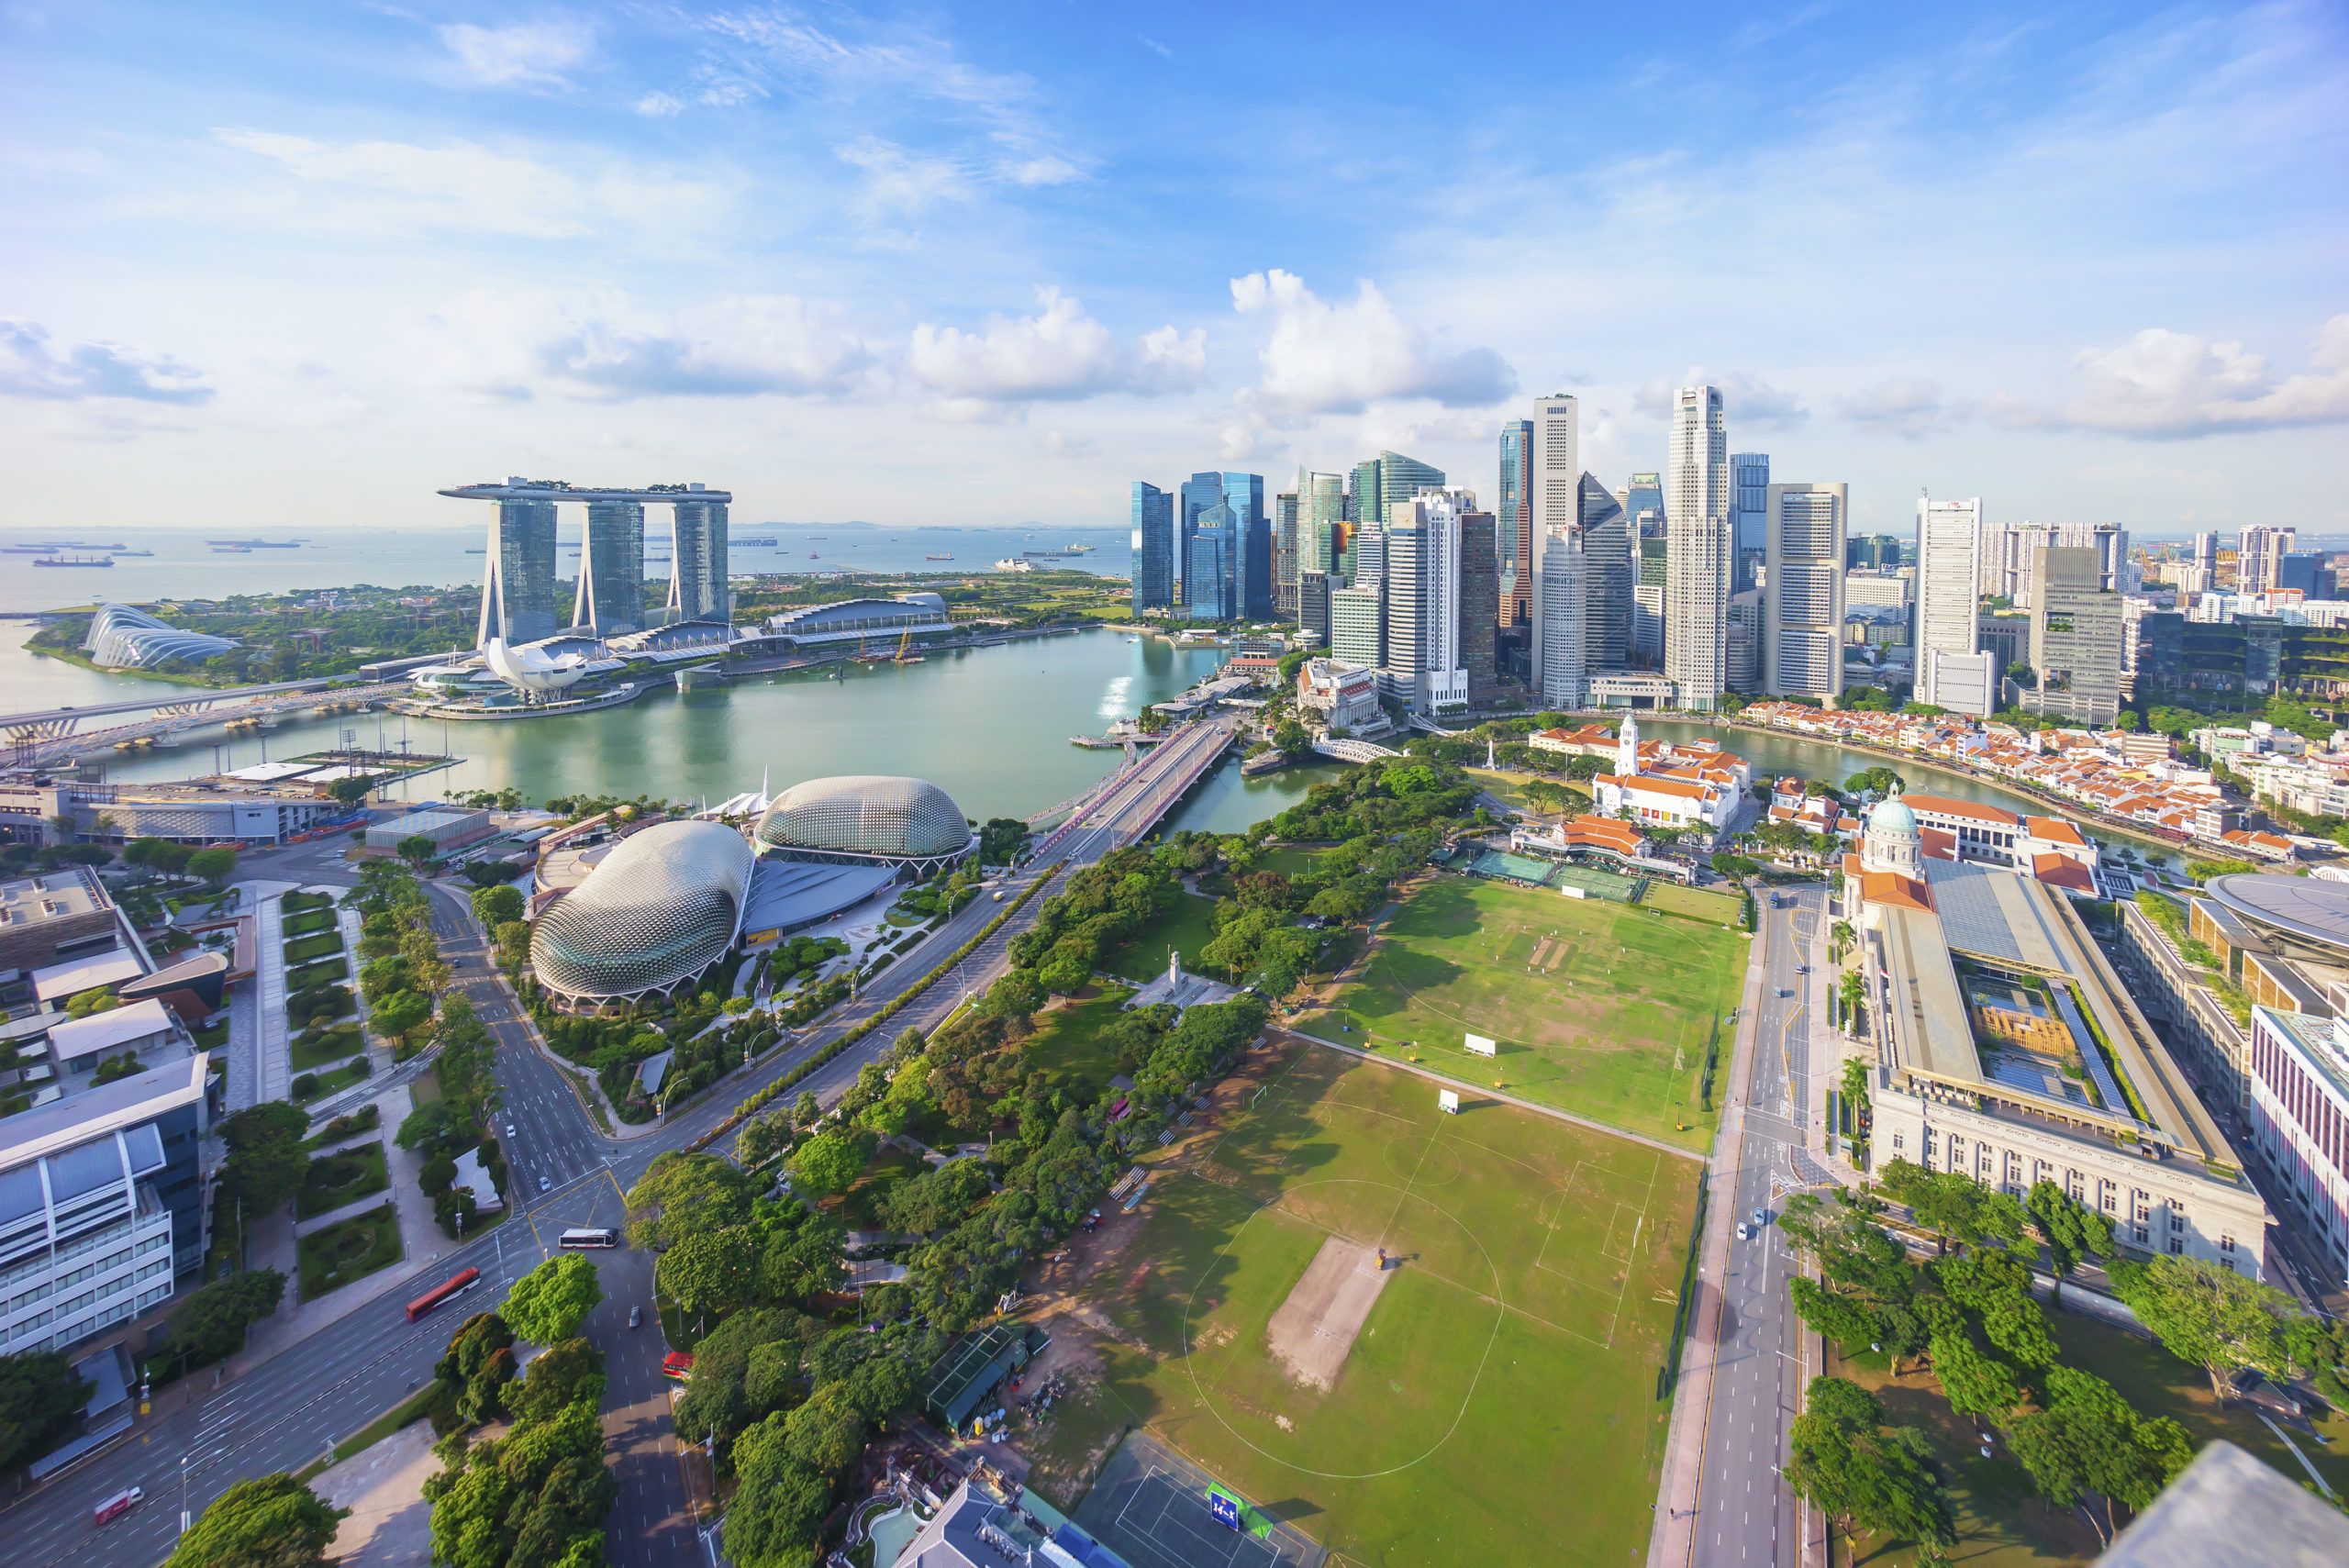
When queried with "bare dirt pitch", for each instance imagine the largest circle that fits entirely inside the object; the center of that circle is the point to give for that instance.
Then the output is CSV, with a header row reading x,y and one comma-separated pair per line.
x,y
1314,1330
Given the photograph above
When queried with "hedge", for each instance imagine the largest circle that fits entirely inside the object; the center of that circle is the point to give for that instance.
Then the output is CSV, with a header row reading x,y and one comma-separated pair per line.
x,y
301,950
310,922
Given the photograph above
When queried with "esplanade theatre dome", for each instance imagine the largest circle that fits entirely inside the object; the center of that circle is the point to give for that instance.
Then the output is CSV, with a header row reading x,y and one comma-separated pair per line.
x,y
662,907
865,817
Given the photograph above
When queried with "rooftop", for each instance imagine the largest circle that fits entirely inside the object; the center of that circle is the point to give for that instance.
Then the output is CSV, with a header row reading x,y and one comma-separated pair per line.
x,y
88,973
106,1107
71,1040
520,489
2311,908
50,895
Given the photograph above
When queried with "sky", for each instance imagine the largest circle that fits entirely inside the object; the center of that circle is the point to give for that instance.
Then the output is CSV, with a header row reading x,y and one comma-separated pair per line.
x,y
309,263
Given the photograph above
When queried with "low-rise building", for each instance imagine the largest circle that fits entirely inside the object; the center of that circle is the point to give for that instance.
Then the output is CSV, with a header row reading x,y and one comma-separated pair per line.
x,y
32,811
1697,788
2300,1123
446,828
1345,695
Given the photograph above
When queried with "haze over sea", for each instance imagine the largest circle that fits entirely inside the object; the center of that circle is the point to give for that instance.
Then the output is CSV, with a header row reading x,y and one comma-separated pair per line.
x,y
185,566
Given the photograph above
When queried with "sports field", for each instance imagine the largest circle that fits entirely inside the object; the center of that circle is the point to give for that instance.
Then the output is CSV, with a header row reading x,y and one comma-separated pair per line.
x,y
1489,1395
1599,1008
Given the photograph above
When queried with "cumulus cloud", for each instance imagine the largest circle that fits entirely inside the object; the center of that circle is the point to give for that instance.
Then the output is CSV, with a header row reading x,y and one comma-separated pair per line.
x,y
511,346
1906,406
1059,354
1747,400
2162,385
1339,359
525,55
30,368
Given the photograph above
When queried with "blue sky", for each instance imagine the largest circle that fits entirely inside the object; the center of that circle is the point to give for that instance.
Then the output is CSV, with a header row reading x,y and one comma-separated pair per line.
x,y
308,261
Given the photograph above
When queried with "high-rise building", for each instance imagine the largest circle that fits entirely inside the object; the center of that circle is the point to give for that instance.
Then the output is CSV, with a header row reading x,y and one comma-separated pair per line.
x,y
1193,496
1647,599
1744,642
1609,571
2075,638
1387,478
2259,558
1802,616
610,595
1252,571
2303,571
1321,520
1209,566
1424,668
1562,637
1286,563
1313,590
2205,576
1643,494
1951,671
1154,544
517,585
699,588
1556,489
1480,578
1362,496
1699,567
2006,554
1515,517
1358,622
1879,552
1749,489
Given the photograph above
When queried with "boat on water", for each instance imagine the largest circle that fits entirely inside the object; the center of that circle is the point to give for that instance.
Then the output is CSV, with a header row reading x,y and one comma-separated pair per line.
x,y
483,550
760,541
947,556
119,551
1079,550
256,543
232,550
74,561
32,549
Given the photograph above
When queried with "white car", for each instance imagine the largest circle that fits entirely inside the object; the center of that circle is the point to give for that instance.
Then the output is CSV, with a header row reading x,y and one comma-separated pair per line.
x,y
509,1129
546,1183
1745,1231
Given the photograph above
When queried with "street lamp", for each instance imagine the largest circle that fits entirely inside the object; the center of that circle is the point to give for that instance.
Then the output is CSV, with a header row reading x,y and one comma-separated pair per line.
x,y
184,1458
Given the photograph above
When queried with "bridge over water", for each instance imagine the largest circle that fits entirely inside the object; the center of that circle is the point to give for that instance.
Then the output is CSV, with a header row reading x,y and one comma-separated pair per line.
x,y
48,737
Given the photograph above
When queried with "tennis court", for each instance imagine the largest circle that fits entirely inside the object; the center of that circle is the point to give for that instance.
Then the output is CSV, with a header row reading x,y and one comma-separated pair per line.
x,y
1596,883
1155,1508
1507,867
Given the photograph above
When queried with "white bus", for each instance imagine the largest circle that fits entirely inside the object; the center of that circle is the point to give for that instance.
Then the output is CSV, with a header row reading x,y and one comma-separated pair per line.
x,y
589,1237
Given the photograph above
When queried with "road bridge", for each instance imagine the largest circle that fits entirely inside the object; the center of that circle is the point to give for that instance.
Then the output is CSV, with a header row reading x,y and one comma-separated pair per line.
x,y
54,735
1346,749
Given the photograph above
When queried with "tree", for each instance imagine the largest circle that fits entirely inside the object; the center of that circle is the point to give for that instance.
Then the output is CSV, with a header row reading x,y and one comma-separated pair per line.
x,y
563,1373
41,1398
681,1192
828,1162
710,1270
2072,1231
1976,1384
2209,1316
398,1014
273,1521
416,848
1864,1478
214,865
351,790
549,1302
762,1138
90,1004
494,905
779,1504
827,1433
210,1325
2086,1438
477,1365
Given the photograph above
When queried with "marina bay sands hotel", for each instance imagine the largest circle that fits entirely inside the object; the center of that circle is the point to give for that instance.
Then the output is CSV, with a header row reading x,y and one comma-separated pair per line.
x,y
518,588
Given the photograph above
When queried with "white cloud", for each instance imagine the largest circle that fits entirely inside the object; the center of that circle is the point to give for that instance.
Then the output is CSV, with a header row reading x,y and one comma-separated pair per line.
x,y
657,105
900,183
30,368
508,346
467,186
2162,385
1903,406
1059,354
1339,359
1154,47
1747,400
525,55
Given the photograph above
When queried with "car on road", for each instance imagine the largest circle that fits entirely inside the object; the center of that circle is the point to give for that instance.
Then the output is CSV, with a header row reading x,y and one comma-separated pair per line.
x,y
1761,1217
1802,969
1784,992
635,1316
546,1183
509,1129
1743,1231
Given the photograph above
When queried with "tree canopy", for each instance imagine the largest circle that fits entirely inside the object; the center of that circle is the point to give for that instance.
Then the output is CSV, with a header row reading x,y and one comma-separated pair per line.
x,y
272,1521
551,1301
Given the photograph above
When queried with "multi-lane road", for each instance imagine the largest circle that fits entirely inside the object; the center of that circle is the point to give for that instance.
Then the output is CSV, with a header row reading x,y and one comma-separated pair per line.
x,y
284,1412
1745,1515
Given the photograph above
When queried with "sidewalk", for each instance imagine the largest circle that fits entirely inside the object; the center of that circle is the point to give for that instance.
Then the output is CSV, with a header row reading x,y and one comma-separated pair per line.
x,y
1674,1540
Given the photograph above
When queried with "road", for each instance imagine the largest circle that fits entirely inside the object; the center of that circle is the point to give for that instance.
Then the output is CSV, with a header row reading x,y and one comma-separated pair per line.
x,y
283,1413
1746,1516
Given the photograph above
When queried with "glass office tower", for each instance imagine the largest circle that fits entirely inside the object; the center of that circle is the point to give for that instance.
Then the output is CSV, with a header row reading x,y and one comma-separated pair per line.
x,y
1748,491
1153,543
1514,604
610,596
697,585
518,588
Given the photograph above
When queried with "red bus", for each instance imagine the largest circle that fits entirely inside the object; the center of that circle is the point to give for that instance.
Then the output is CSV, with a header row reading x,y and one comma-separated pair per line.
x,y
678,1366
461,1280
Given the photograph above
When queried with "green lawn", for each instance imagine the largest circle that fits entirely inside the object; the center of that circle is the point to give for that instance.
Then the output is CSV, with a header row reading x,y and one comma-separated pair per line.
x,y
1068,1047
1709,904
1499,1403
2001,1521
348,1251
1510,787
301,950
310,922
1188,928
339,1043
861,1205
333,1081
338,1179
1604,1009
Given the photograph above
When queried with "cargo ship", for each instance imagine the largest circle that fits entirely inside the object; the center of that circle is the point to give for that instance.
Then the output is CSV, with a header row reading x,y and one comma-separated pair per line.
x,y
74,561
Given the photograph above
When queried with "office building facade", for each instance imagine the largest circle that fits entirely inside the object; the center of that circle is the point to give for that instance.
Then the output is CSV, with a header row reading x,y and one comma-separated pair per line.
x,y
1515,517
2075,638
517,597
1950,673
1749,493
1390,477
2259,558
1425,670
1285,560
1480,575
1358,623
1313,607
1562,637
1699,567
1321,520
609,598
698,585
1608,573
1645,494
1153,547
1742,669
1193,496
1802,626
1209,567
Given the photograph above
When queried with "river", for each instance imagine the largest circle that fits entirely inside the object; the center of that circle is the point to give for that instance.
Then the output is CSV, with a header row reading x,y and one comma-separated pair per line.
x,y
990,726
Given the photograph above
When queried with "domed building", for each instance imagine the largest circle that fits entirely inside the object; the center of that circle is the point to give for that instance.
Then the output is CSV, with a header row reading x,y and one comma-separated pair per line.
x,y
667,904
864,819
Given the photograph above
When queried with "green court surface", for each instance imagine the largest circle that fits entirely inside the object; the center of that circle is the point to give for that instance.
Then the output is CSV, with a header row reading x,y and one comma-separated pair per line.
x,y
1595,882
1499,1398
1607,1010
1696,902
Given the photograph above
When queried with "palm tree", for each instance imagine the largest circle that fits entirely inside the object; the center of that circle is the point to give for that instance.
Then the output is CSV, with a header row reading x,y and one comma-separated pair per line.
x,y
1853,988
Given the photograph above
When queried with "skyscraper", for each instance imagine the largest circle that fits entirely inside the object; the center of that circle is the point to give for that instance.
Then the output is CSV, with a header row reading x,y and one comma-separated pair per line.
x,y
1358,623
1802,607
1749,485
610,595
1515,517
1743,666
1252,594
1479,592
2006,553
1286,562
699,589
1645,494
1153,545
1552,504
1647,595
2259,558
1313,590
1561,638
1209,566
1424,669
1362,496
2206,564
2075,655
1321,520
1194,496
1609,570
1950,671
1387,478
517,584
1699,566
